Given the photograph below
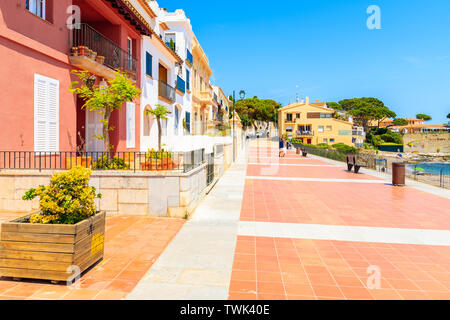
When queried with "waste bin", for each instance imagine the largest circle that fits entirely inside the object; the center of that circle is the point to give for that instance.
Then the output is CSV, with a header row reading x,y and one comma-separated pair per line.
x,y
398,174
298,150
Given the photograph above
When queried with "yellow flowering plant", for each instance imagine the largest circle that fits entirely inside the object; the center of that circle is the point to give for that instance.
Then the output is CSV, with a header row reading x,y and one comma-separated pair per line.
x,y
67,200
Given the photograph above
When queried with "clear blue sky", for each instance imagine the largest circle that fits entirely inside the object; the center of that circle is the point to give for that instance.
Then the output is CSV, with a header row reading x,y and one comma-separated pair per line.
x,y
324,47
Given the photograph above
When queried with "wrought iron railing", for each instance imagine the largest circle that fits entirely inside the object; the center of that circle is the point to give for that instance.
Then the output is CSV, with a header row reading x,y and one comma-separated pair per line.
x,y
305,133
114,56
128,161
166,91
439,178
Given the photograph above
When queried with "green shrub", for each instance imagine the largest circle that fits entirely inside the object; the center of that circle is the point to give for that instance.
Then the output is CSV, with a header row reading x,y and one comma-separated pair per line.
x,y
152,154
107,163
67,200
345,148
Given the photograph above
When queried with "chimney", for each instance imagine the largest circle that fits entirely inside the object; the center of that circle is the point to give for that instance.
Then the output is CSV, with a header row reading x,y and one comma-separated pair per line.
x,y
307,100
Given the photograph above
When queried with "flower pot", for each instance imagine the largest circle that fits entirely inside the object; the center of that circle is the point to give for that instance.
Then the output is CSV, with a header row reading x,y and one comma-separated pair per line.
x,y
159,164
92,54
100,59
74,51
50,251
85,162
82,51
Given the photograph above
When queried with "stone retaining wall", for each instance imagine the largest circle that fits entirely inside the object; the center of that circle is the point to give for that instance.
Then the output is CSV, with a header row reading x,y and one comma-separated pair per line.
x,y
168,194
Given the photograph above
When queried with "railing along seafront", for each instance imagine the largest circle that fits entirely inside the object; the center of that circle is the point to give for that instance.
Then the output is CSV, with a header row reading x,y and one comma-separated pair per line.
x,y
440,178
414,171
127,161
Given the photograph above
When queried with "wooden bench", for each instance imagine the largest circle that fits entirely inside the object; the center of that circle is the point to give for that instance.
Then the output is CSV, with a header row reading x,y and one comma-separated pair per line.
x,y
353,163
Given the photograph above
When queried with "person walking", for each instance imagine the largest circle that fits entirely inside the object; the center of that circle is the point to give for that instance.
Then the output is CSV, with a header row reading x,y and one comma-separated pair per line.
x,y
282,146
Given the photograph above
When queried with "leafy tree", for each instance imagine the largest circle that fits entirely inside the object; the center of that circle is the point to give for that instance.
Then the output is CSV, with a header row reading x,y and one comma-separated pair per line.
x,y
104,99
448,116
159,113
366,110
400,122
256,109
334,105
423,117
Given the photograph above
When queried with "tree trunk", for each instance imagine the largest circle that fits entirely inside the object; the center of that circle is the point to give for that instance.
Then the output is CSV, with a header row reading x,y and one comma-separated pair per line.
x,y
105,130
158,120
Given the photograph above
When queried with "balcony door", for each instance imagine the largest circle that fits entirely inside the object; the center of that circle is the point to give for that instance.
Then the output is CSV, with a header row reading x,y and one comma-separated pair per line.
x,y
162,73
93,128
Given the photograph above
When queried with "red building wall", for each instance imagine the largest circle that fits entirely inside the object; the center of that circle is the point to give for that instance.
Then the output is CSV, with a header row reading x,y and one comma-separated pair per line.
x,y
28,46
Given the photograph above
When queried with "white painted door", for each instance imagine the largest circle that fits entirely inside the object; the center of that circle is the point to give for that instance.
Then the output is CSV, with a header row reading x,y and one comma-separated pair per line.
x,y
93,128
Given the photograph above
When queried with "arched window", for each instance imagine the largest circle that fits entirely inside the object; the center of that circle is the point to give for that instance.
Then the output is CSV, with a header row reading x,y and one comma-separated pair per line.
x,y
148,121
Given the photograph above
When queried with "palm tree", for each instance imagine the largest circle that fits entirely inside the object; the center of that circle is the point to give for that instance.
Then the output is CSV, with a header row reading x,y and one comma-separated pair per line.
x,y
160,113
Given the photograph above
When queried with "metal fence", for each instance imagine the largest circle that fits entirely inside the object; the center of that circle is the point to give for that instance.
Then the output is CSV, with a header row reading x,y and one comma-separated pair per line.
x,y
441,178
130,161
210,168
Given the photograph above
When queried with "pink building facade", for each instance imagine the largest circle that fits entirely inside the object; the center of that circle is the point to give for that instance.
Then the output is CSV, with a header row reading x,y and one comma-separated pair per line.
x,y
37,110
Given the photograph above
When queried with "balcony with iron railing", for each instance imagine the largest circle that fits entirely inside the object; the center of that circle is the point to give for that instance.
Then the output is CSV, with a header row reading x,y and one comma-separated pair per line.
x,y
99,55
304,133
166,91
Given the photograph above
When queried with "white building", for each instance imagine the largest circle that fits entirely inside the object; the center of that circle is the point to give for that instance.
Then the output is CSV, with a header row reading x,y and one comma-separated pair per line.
x,y
165,79
167,75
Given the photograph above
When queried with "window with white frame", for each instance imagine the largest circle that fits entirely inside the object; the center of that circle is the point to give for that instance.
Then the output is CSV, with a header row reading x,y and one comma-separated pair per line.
x,y
320,129
36,7
46,114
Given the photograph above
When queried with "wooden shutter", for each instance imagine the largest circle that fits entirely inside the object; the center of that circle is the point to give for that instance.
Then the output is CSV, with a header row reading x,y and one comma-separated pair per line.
x,y
148,64
313,115
46,114
131,120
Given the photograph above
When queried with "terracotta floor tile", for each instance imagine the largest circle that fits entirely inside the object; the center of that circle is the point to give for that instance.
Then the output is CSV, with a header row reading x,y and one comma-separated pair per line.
x,y
264,296
270,287
298,289
355,293
327,291
243,286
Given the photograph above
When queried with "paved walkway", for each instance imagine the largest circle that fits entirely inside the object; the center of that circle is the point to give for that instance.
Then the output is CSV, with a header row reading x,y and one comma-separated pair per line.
x,y
132,245
304,228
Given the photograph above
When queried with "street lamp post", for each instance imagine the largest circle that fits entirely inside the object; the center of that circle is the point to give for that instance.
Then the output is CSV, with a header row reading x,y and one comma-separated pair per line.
x,y
242,95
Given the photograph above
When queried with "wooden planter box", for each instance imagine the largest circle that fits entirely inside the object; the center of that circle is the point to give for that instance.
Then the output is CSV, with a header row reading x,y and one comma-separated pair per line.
x,y
47,251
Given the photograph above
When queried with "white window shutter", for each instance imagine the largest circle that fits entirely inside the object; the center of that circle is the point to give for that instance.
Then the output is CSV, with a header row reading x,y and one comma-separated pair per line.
x,y
53,115
46,114
40,114
131,120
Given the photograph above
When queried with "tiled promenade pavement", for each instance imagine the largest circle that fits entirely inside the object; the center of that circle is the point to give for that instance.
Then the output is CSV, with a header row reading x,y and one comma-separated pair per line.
x,y
310,230
132,245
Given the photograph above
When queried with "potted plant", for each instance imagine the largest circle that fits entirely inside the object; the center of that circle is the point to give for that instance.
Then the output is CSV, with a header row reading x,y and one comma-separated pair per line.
x,y
67,231
82,51
158,160
100,59
92,54
75,51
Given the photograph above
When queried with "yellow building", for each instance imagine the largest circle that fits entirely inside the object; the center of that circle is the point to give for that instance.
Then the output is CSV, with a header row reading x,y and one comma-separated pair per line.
x,y
202,93
313,123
